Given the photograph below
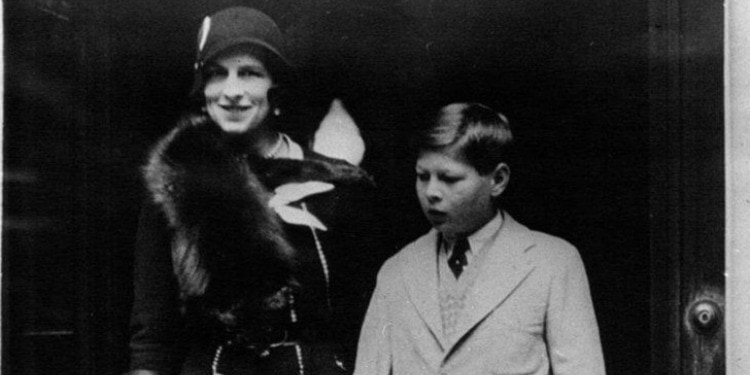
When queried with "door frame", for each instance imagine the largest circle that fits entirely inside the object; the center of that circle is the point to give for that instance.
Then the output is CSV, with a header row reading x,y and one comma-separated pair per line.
x,y
737,140
687,184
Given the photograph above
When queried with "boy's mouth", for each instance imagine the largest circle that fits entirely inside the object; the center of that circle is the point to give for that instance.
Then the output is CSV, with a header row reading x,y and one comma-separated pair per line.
x,y
436,215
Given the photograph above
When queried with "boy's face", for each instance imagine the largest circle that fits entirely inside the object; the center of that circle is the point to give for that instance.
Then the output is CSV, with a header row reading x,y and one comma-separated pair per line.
x,y
455,198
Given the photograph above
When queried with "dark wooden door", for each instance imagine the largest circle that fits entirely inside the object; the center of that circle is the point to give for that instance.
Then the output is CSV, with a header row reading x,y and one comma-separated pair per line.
x,y
619,105
41,262
687,187
70,194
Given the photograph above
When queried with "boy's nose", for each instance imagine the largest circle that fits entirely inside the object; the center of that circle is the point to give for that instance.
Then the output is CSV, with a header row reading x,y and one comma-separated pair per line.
x,y
432,192
433,199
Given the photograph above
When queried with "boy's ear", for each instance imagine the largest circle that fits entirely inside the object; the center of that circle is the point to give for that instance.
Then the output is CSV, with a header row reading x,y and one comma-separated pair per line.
x,y
500,179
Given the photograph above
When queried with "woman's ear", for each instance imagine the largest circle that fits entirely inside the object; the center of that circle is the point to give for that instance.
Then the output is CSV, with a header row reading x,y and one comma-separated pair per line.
x,y
500,179
277,96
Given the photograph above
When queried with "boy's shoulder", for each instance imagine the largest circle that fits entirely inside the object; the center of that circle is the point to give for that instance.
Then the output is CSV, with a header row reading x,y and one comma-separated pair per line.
x,y
545,240
414,251
549,251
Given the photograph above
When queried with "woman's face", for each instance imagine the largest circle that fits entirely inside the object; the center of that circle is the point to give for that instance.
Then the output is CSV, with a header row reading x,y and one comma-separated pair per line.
x,y
236,92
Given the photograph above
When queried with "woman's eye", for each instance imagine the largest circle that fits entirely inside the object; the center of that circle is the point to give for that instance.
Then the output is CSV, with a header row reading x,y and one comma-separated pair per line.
x,y
249,73
213,73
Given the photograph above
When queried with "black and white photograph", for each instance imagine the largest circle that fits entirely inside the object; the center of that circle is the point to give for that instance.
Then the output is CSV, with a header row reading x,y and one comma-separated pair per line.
x,y
375,187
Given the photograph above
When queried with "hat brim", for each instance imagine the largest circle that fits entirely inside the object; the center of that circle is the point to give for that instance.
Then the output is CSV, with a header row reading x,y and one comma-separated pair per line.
x,y
218,48
222,46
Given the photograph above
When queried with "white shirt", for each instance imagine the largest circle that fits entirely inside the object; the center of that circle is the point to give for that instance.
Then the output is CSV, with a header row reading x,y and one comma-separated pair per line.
x,y
287,149
477,242
452,291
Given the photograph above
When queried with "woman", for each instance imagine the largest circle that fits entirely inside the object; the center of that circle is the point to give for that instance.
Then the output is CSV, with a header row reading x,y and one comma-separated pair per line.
x,y
249,257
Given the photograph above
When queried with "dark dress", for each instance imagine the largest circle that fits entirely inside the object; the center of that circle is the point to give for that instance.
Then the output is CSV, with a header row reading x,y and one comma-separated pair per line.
x,y
280,298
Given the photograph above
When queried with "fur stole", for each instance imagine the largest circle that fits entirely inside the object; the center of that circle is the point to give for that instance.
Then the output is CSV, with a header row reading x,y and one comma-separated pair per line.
x,y
229,250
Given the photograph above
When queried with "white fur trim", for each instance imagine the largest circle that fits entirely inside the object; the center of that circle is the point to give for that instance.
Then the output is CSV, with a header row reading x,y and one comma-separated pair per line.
x,y
338,135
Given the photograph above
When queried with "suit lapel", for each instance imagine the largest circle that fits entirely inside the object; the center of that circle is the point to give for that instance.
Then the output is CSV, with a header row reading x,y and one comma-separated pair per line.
x,y
421,283
504,269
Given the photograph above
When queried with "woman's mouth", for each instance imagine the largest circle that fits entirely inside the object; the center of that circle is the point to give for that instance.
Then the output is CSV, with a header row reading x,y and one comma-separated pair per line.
x,y
235,108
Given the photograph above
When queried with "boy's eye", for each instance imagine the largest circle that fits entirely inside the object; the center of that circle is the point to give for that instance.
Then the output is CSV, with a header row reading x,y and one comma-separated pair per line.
x,y
423,176
450,179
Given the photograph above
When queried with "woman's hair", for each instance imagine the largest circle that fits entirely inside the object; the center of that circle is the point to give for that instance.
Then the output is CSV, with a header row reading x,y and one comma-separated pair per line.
x,y
471,132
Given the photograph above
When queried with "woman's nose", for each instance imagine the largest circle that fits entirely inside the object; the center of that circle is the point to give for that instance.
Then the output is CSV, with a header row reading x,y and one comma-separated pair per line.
x,y
232,89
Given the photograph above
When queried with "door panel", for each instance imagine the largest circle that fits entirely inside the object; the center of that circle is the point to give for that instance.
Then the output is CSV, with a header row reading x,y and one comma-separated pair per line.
x,y
687,185
618,108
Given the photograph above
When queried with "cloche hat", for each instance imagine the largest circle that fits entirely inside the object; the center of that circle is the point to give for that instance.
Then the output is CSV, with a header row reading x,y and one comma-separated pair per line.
x,y
236,26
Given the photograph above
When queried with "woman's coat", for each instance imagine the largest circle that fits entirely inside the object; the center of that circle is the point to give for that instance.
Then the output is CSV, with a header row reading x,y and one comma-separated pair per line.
x,y
246,265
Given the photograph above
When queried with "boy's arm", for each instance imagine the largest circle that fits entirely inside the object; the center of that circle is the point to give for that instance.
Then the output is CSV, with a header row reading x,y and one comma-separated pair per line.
x,y
572,333
374,349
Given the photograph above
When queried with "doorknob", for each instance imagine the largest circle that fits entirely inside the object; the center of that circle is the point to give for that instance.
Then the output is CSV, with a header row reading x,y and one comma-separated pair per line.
x,y
705,316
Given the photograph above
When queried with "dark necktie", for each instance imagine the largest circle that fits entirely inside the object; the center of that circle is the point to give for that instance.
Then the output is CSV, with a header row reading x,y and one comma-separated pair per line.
x,y
457,260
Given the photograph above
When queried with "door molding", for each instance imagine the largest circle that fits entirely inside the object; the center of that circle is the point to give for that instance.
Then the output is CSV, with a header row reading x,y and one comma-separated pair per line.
x,y
737,140
687,181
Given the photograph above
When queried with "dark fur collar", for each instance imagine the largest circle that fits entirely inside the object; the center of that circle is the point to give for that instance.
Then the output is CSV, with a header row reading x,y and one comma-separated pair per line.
x,y
228,247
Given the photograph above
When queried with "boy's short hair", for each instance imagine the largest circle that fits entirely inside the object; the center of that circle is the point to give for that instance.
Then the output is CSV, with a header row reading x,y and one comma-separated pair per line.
x,y
472,132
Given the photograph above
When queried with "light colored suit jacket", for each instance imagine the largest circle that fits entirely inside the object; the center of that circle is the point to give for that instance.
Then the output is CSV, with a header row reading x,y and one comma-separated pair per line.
x,y
528,312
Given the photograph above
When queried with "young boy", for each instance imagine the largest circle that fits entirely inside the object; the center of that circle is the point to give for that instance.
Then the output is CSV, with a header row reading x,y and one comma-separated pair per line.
x,y
480,293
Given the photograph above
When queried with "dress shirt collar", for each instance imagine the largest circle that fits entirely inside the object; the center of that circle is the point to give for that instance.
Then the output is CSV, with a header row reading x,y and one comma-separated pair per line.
x,y
289,149
478,239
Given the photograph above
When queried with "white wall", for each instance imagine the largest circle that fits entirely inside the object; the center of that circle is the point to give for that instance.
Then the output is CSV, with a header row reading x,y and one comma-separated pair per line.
x,y
737,101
